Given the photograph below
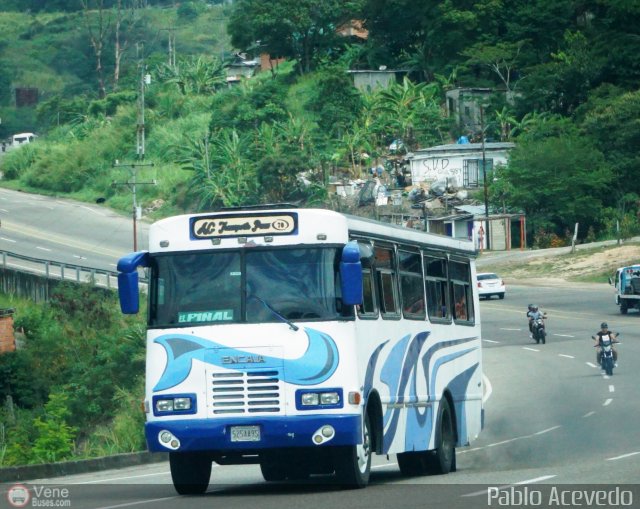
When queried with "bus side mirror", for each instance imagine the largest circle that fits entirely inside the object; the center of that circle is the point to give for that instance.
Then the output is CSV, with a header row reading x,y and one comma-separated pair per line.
x,y
610,281
351,275
128,293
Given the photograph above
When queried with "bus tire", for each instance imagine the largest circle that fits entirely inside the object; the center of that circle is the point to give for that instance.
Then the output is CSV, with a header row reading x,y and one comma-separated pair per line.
x,y
442,460
623,307
353,463
190,472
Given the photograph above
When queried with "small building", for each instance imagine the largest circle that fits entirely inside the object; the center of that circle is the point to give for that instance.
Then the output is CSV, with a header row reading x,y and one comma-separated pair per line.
x,y
459,164
368,79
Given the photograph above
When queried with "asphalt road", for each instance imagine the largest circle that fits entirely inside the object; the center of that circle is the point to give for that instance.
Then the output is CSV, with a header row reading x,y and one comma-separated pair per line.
x,y
65,231
553,422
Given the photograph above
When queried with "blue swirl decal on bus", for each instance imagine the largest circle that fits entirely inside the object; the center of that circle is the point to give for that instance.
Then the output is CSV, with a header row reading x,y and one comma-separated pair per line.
x,y
316,365
407,354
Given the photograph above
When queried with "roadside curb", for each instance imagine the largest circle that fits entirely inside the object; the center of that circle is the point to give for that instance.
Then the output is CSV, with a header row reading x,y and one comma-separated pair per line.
x,y
23,473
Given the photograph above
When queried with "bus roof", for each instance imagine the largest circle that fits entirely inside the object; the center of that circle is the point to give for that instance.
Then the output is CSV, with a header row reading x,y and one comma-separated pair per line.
x,y
283,226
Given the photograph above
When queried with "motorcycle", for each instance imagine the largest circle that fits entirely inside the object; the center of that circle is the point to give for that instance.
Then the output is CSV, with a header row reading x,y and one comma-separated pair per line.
x,y
605,355
538,329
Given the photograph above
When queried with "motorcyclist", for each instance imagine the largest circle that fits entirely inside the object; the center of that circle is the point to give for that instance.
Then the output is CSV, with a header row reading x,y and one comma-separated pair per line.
x,y
533,315
605,334
529,311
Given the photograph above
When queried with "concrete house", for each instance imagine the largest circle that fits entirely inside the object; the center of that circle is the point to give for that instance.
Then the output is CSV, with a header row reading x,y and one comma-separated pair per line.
x,y
458,163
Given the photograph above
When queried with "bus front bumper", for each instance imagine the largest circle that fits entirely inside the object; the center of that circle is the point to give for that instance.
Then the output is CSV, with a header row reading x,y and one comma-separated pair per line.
x,y
253,434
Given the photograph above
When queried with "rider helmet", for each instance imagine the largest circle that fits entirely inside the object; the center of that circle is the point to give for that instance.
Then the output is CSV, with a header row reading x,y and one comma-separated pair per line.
x,y
530,307
604,325
534,308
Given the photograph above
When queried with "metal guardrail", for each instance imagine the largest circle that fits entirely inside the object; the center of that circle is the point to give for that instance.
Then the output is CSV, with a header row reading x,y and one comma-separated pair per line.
x,y
62,271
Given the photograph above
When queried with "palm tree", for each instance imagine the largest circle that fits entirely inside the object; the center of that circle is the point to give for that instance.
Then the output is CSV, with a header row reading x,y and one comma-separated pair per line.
x,y
195,75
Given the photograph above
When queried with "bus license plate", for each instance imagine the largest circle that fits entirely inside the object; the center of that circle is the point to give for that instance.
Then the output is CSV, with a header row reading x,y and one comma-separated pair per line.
x,y
245,433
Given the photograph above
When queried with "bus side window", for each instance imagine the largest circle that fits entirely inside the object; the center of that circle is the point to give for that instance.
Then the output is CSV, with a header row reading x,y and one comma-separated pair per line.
x,y
387,282
436,278
412,285
368,309
460,275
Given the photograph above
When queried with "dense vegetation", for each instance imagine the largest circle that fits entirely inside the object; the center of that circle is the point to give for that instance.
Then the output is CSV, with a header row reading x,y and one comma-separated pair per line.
x,y
74,387
565,72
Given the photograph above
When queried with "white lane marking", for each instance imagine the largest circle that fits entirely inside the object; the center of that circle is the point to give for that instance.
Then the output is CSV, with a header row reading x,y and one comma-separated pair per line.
x,y
591,364
504,442
139,502
530,349
8,240
4,210
490,341
43,248
607,402
523,437
80,257
504,487
99,213
488,388
107,481
504,328
589,414
612,388
385,465
623,456
564,335
547,430
605,376
537,479
565,355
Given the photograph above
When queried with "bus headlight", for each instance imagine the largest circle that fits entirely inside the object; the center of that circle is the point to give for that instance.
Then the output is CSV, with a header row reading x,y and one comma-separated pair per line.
x,y
329,398
171,404
318,399
182,403
164,405
310,398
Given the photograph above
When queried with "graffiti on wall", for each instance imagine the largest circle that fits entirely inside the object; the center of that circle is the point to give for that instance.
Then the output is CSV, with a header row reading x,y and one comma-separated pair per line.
x,y
441,168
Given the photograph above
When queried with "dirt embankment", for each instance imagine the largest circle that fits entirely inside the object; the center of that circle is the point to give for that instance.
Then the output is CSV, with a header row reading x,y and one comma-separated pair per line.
x,y
583,266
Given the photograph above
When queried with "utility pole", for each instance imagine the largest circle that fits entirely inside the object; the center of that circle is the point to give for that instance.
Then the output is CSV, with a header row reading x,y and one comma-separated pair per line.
x,y
145,79
171,46
484,178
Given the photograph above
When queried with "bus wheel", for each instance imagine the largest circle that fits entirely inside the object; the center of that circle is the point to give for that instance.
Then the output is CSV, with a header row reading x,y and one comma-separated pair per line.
x,y
353,464
190,472
443,459
623,307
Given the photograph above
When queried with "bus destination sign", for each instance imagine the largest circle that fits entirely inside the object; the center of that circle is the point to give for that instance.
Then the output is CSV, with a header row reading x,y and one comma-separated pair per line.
x,y
209,227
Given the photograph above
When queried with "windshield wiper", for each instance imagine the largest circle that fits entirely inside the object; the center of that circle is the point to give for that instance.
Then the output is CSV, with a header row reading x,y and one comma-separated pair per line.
x,y
292,325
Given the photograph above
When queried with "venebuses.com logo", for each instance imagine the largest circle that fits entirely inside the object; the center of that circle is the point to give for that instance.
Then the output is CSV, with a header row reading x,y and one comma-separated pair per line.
x,y
20,495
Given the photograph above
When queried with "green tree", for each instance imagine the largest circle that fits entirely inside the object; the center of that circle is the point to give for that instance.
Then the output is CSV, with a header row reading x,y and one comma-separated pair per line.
x,y
612,120
195,75
558,180
55,438
222,172
301,30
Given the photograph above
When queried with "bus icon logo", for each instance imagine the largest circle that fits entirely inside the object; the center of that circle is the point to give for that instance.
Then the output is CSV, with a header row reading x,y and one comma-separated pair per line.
x,y
18,496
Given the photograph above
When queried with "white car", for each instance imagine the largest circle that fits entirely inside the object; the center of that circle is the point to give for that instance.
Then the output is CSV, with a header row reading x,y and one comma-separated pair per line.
x,y
490,284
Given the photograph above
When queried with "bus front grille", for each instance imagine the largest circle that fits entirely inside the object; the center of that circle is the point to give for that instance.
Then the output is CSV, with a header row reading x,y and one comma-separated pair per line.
x,y
253,392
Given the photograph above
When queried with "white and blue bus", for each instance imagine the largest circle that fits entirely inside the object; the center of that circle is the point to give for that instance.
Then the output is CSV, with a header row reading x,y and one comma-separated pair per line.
x,y
305,340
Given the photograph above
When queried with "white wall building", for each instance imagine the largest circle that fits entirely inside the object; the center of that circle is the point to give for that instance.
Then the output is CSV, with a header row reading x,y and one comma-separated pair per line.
x,y
460,163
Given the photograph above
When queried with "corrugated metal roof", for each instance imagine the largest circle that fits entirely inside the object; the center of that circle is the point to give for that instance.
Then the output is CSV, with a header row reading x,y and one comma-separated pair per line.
x,y
465,147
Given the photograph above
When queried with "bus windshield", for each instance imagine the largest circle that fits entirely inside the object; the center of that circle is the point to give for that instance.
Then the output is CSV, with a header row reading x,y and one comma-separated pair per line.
x,y
198,288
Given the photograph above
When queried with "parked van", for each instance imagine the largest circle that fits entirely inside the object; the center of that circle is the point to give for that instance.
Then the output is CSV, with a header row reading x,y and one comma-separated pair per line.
x,y
22,138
